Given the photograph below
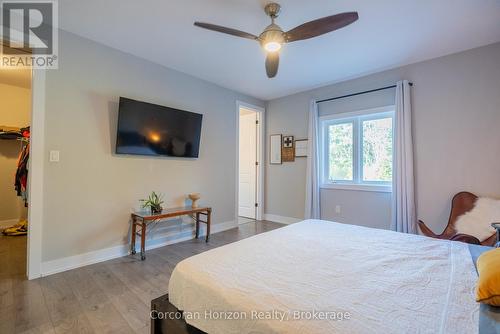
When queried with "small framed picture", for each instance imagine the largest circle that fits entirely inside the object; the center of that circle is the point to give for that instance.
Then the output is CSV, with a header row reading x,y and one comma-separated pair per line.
x,y
275,150
288,149
287,141
301,148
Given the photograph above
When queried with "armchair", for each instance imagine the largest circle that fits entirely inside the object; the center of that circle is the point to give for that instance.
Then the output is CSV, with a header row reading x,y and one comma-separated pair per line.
x,y
460,204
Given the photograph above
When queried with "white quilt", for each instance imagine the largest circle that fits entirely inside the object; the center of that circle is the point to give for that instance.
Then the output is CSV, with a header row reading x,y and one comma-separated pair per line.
x,y
376,281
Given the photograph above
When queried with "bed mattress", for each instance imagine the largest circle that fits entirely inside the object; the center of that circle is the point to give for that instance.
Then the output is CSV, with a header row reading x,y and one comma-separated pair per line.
x,y
323,277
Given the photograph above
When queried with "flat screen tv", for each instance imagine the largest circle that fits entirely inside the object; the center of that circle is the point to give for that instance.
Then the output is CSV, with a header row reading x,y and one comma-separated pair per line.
x,y
153,130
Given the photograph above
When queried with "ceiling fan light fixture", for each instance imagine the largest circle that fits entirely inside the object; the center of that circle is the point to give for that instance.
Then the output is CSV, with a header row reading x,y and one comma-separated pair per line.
x,y
272,46
272,38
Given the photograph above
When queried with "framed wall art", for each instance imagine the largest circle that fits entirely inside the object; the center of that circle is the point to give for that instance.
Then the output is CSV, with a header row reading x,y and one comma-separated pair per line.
x,y
301,148
275,150
288,149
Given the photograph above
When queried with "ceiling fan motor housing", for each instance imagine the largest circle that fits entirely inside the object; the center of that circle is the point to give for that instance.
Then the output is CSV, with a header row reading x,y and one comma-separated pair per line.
x,y
273,10
274,33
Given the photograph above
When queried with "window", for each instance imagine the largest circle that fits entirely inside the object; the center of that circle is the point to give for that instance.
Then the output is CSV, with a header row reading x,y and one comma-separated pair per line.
x,y
357,150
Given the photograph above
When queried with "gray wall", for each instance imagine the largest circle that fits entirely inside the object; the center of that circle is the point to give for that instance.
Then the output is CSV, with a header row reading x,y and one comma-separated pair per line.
x,y
89,193
456,115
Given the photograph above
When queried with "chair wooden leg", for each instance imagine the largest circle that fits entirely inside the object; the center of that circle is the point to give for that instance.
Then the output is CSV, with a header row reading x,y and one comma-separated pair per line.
x,y
426,231
209,221
134,232
197,225
143,242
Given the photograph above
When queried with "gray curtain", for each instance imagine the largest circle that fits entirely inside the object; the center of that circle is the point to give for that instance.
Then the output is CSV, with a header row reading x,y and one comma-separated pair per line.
x,y
403,189
313,210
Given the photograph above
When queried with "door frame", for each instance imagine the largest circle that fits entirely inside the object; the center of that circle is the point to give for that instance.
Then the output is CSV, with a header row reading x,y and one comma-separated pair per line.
x,y
36,164
261,139
35,176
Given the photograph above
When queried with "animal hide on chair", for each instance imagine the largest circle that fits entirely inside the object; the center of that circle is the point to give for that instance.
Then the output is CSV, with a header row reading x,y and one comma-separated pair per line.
x,y
477,222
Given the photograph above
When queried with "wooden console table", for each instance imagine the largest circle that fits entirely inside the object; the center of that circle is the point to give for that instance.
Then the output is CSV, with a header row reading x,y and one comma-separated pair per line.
x,y
144,219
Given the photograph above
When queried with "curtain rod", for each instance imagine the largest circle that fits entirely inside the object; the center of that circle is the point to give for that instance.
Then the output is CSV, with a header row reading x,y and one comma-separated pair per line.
x,y
359,93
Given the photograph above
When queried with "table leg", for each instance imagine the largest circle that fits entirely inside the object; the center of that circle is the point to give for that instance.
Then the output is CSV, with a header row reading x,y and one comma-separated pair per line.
x,y
134,232
143,241
209,220
197,225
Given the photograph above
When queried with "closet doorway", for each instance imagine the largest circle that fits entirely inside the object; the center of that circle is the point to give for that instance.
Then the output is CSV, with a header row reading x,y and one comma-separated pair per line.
x,y
15,121
250,166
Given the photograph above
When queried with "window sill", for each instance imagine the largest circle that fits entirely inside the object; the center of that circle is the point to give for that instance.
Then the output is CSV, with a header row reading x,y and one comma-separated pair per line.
x,y
358,187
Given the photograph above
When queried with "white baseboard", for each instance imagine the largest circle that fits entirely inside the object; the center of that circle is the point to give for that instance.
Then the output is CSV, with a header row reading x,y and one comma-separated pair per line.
x,y
221,227
281,219
81,260
8,223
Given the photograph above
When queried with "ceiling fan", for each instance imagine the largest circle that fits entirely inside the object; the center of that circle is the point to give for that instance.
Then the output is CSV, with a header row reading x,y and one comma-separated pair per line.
x,y
273,37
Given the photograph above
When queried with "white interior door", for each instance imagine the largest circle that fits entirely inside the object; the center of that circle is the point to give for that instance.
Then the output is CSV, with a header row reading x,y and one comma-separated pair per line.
x,y
247,159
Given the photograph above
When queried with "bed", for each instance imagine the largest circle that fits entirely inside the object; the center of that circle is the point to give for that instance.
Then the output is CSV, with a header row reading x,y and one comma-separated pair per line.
x,y
323,277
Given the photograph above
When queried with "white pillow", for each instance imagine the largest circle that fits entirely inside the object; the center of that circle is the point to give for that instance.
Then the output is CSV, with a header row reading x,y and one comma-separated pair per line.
x,y
477,222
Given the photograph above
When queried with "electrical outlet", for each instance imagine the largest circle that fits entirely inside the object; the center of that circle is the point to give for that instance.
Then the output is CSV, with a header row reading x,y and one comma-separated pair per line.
x,y
337,209
54,156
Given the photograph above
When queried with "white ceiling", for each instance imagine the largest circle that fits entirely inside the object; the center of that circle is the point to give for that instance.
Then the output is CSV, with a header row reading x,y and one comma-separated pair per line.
x,y
388,34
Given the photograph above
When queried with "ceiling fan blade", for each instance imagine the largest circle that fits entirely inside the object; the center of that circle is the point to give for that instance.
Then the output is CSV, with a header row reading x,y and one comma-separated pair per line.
x,y
321,26
272,64
225,30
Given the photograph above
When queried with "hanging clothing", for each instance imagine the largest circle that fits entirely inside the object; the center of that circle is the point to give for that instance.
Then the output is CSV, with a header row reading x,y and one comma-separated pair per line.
x,y
21,177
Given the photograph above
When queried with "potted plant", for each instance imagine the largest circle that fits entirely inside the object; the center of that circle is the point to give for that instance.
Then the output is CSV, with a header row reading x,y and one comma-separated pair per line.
x,y
153,202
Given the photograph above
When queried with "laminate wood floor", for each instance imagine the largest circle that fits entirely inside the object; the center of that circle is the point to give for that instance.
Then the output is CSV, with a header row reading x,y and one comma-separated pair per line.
x,y
108,297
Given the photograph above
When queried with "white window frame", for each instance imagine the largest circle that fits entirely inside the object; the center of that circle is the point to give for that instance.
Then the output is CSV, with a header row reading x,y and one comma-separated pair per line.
x,y
356,118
